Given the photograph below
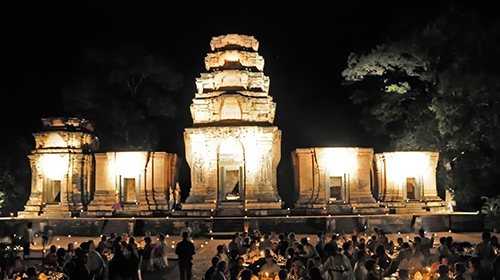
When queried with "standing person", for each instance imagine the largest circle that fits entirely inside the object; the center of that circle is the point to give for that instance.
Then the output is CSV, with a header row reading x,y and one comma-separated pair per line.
x,y
28,239
95,262
162,248
220,273
187,229
185,251
486,255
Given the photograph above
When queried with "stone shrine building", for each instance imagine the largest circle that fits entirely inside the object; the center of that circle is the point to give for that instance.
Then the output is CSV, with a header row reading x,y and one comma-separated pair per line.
x,y
233,149
61,168
70,179
354,180
335,180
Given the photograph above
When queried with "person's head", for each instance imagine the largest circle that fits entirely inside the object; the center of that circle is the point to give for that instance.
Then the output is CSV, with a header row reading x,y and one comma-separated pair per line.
x,y
370,265
449,240
220,249
253,243
417,240
31,271
30,224
266,236
443,269
460,268
281,237
235,236
125,236
240,261
161,236
315,274
131,239
442,240
185,235
84,246
320,234
380,250
147,239
91,245
300,248
443,259
53,249
494,240
222,266
421,232
282,274
400,241
486,236
147,234
404,274
247,274
269,260
317,261
60,252
374,237
361,246
71,247
215,261
330,249
296,261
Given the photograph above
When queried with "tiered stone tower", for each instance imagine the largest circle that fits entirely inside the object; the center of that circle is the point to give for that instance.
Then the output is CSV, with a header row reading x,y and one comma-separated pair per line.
x,y
233,149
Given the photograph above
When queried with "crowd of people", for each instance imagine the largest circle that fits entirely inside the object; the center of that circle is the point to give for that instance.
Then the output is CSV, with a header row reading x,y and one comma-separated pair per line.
x,y
283,256
353,257
113,257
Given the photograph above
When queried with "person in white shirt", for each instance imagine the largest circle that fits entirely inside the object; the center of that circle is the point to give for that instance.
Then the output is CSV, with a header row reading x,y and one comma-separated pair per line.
x,y
360,271
163,247
270,267
410,263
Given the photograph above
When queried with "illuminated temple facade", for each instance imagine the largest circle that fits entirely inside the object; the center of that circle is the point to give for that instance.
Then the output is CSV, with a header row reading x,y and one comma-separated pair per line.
x,y
69,178
233,151
355,180
233,148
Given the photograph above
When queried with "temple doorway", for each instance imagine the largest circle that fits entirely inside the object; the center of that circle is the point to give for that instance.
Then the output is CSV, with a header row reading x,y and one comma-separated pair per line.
x,y
52,191
231,166
336,188
413,188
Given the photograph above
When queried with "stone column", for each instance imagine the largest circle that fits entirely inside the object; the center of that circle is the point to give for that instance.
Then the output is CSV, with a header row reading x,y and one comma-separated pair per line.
x,y
105,192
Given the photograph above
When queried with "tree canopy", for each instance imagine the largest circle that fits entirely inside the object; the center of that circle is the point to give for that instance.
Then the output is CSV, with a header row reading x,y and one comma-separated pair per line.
x,y
127,92
438,89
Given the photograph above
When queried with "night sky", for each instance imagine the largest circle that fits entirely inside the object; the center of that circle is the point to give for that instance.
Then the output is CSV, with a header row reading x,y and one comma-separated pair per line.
x,y
305,46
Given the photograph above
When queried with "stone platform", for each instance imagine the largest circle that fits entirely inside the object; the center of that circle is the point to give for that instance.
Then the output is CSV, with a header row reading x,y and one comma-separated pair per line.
x,y
207,226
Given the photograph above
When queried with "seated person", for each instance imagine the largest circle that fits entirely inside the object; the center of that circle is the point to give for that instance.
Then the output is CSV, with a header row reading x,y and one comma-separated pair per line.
x,y
410,263
270,267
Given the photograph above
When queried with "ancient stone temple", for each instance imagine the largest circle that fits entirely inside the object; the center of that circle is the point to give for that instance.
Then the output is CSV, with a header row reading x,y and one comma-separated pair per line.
x,y
406,181
233,149
70,179
335,180
61,168
142,182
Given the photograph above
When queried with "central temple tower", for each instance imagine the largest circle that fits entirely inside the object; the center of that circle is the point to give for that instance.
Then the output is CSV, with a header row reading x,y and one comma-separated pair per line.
x,y
233,149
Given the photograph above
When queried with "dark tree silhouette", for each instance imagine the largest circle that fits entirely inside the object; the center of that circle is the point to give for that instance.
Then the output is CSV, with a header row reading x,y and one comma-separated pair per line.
x,y
127,92
437,89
